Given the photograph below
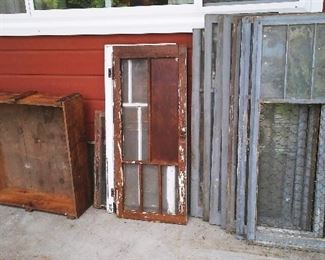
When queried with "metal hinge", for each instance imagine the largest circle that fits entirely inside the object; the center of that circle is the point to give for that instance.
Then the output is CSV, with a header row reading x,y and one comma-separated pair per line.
x,y
110,74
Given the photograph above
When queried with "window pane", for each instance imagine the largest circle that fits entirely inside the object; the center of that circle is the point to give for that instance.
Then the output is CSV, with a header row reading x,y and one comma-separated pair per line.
x,y
132,190
12,6
229,1
66,4
300,55
273,61
150,188
287,165
62,4
319,84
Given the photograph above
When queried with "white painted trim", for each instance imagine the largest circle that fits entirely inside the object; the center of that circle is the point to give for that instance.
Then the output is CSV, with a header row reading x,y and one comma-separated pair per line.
x,y
134,20
109,127
170,189
130,80
135,105
139,112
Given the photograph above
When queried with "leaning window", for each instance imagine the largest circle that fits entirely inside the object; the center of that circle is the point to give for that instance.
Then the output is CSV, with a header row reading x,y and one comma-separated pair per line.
x,y
12,6
69,4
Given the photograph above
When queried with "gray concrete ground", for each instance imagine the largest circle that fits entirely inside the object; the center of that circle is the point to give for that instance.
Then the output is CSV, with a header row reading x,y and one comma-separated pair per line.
x,y
98,235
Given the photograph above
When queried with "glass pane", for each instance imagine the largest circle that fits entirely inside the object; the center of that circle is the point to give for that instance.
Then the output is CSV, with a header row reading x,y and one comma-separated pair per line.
x,y
169,189
227,1
319,83
135,81
63,4
145,134
135,129
130,133
131,187
150,188
66,4
273,61
287,162
12,6
300,55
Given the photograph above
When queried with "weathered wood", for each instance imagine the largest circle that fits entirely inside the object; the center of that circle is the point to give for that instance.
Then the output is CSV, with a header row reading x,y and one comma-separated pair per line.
x,y
289,239
254,130
196,208
215,173
319,208
160,58
243,127
233,125
99,161
209,20
43,154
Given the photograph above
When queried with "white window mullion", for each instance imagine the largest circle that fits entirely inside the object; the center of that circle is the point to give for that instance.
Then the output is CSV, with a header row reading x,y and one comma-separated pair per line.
x,y
29,6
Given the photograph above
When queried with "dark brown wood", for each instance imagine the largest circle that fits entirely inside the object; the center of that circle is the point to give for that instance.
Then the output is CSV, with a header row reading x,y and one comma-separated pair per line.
x,y
43,155
164,110
99,161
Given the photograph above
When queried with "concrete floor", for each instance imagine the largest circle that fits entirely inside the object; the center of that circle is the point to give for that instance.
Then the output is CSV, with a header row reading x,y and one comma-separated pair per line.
x,y
98,235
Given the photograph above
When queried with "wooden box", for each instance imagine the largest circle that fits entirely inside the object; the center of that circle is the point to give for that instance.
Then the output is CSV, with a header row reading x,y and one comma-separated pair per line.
x,y
43,153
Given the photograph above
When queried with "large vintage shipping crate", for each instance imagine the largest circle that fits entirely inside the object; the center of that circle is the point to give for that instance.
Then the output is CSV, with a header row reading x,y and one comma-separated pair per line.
x,y
43,153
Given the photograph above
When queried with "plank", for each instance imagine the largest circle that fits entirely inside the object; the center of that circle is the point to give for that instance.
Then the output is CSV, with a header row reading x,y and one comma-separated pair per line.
x,y
99,161
196,208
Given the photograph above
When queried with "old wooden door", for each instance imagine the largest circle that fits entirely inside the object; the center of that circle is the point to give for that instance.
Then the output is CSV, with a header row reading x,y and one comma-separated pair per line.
x,y
150,132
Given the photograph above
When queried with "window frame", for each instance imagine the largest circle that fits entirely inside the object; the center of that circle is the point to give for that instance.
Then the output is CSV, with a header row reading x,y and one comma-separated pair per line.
x,y
126,20
259,234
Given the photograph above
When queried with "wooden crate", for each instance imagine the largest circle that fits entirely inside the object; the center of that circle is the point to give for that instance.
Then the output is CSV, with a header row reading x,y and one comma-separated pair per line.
x,y
43,153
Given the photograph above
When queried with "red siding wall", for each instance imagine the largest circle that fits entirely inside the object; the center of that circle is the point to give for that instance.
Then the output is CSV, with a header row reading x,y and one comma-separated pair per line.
x,y
66,64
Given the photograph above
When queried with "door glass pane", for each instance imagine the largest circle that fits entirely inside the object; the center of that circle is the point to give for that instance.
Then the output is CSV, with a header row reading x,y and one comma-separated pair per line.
x,y
169,189
135,131
12,6
300,56
287,164
150,188
131,187
130,133
319,83
273,61
135,81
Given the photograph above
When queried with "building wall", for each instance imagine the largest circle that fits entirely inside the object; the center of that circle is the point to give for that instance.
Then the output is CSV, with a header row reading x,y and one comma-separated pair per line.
x,y
60,65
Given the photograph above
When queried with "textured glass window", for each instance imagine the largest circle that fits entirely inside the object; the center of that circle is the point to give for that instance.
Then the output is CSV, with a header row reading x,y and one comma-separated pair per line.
x,y
12,6
274,59
287,165
293,62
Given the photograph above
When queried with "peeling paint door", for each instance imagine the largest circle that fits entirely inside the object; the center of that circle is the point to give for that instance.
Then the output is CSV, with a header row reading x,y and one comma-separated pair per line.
x,y
150,132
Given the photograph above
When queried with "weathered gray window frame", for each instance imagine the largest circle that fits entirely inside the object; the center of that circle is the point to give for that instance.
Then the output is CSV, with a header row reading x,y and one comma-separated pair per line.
x,y
307,240
220,95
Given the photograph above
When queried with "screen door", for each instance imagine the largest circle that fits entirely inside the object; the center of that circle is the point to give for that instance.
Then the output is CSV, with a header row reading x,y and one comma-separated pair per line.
x,y
150,132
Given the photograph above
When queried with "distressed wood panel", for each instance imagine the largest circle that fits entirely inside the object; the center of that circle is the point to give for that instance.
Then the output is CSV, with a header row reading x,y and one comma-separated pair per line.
x,y
99,161
43,155
164,111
